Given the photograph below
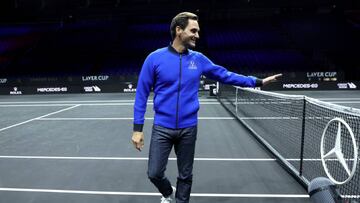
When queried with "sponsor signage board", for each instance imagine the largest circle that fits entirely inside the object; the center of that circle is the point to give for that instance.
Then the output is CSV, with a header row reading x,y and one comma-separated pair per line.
x,y
312,86
314,76
52,89
96,78
15,91
93,88
129,87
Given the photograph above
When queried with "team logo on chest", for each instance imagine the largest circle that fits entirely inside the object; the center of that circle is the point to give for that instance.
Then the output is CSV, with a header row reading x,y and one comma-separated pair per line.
x,y
192,65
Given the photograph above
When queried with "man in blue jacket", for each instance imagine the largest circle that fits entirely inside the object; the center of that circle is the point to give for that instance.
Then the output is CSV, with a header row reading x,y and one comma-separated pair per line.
x,y
174,73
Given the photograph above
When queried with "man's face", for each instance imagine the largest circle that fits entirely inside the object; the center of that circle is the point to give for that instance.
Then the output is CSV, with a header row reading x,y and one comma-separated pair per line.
x,y
189,36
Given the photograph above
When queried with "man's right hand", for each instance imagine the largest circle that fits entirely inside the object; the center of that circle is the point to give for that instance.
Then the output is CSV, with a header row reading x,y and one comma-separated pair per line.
x,y
138,140
270,79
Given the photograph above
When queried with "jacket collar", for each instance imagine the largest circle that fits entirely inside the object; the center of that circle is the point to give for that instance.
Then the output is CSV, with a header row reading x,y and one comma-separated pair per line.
x,y
171,49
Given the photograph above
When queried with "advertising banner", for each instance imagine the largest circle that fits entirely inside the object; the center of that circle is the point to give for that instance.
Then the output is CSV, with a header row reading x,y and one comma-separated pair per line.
x,y
312,86
113,84
316,76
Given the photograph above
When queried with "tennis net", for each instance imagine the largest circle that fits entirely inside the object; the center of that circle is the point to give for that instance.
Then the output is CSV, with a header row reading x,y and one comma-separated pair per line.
x,y
291,127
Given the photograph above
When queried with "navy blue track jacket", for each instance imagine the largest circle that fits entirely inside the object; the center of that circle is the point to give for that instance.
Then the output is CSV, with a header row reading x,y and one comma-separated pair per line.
x,y
176,79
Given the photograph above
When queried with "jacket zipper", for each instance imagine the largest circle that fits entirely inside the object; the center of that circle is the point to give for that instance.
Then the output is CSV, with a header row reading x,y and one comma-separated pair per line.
x,y
178,96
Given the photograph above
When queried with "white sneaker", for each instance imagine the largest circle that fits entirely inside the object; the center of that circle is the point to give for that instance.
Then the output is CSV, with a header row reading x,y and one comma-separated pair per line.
x,y
170,198
166,200
174,192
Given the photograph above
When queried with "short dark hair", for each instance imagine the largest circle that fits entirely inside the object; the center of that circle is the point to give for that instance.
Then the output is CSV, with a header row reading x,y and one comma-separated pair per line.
x,y
181,20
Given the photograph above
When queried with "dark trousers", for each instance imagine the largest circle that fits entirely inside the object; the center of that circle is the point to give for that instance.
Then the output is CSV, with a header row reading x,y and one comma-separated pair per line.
x,y
162,141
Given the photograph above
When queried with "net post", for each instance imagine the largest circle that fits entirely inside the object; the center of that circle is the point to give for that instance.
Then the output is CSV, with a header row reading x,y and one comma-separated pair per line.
x,y
302,137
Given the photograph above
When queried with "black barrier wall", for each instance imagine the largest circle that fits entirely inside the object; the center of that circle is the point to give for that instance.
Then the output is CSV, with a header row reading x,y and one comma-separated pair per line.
x,y
77,84
60,85
121,84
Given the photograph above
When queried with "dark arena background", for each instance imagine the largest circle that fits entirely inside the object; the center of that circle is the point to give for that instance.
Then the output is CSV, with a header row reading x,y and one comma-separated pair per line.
x,y
68,79
63,46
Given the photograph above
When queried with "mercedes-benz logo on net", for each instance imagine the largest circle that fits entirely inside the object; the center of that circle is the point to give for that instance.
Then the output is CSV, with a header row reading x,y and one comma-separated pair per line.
x,y
334,156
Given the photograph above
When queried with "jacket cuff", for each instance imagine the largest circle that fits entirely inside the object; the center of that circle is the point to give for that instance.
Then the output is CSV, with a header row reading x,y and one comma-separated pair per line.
x,y
138,127
258,82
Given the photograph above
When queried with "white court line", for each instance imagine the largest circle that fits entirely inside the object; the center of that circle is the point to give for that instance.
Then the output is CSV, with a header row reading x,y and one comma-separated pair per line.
x,y
199,118
126,158
131,101
126,118
269,118
49,114
131,104
87,119
86,101
90,104
89,192
339,99
33,105
151,118
143,158
69,102
117,104
346,102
